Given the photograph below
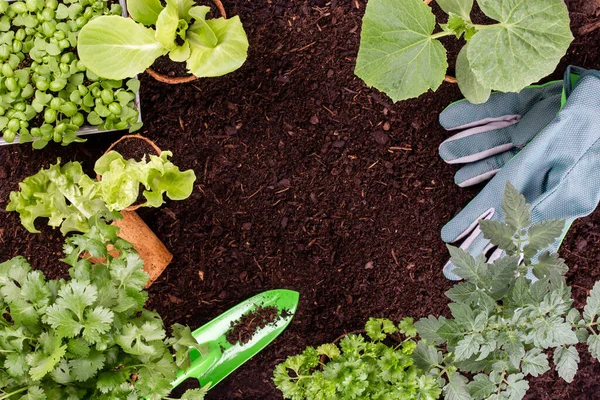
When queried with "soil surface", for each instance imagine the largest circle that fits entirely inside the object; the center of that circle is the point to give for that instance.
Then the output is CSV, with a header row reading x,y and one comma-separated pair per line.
x,y
307,180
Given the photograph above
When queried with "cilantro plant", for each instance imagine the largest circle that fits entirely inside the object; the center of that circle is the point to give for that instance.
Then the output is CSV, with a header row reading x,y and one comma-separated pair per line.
x,y
88,337
117,48
401,55
46,93
73,201
359,368
504,327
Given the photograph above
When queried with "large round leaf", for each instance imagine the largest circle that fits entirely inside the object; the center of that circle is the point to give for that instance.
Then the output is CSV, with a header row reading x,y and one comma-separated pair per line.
x,y
525,46
229,53
117,48
398,54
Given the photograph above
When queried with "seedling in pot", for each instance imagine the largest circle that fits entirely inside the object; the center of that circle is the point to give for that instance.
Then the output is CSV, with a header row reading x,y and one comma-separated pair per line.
x,y
402,56
46,93
118,48
75,202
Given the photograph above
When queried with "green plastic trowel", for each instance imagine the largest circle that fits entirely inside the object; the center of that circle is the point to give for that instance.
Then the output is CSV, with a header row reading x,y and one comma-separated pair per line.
x,y
223,357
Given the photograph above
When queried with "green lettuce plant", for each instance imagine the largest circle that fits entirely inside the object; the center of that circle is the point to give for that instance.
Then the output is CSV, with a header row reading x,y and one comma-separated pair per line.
x,y
401,55
73,201
117,48
504,327
359,368
46,92
88,337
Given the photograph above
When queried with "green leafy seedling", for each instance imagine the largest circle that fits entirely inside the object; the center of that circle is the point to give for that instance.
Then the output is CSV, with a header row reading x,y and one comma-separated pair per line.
x,y
401,55
115,47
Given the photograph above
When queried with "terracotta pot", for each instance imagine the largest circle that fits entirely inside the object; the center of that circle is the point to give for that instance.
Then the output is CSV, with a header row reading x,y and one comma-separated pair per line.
x,y
132,228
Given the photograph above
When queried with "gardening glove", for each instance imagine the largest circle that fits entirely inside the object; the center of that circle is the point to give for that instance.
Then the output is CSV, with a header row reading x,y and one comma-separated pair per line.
x,y
557,172
493,132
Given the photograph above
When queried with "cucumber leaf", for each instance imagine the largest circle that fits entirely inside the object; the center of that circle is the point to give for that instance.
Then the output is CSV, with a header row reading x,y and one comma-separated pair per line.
x,y
525,46
470,87
398,54
114,47
144,11
458,7
226,56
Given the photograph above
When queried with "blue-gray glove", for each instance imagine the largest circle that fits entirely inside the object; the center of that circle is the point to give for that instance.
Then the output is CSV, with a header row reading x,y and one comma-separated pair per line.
x,y
557,171
493,132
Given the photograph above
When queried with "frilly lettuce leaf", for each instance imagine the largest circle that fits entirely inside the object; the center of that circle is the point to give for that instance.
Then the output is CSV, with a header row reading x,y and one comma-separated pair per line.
x,y
121,180
73,201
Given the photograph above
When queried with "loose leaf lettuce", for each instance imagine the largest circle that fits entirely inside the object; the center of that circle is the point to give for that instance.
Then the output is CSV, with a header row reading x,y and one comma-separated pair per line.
x,y
398,54
144,11
73,201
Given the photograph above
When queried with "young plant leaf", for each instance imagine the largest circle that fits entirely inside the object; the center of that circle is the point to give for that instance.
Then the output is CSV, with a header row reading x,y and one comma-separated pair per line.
x,y
517,212
144,11
114,47
398,54
226,56
469,86
592,304
542,235
535,362
166,26
458,7
456,389
566,360
525,46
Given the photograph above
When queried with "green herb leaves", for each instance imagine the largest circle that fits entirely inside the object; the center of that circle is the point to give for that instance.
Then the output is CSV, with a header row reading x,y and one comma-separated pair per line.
x,y
88,337
397,45
118,48
400,55
362,369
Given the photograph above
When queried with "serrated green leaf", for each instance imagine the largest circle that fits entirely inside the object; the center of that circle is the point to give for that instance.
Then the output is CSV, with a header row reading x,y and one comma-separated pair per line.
x,y
378,328
517,213
456,389
592,304
427,356
481,387
525,46
397,53
473,270
468,346
550,268
535,363
86,368
195,394
42,363
407,327
542,235
468,84
566,360
330,350
593,342
516,387
428,329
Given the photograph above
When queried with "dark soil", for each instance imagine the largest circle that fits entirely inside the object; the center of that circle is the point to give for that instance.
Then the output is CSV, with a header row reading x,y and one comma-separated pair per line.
x,y
307,180
243,329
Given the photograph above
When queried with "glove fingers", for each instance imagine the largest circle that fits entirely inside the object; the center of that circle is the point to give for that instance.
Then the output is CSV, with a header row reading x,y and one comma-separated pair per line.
x,y
483,170
462,114
478,143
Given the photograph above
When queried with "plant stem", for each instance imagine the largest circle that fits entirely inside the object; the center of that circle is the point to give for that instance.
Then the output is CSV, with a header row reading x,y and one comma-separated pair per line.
x,y
441,34
7,395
